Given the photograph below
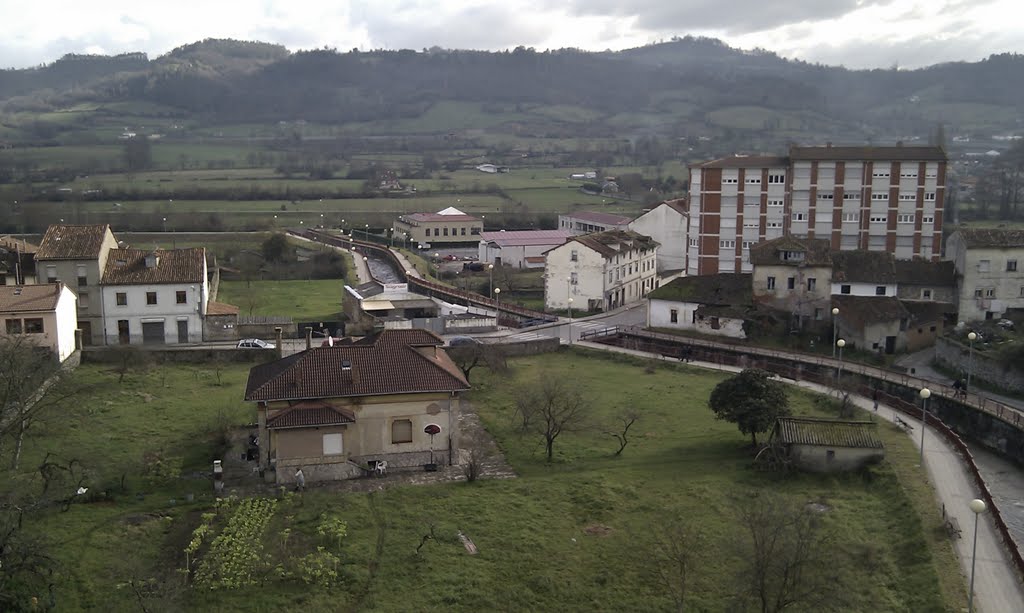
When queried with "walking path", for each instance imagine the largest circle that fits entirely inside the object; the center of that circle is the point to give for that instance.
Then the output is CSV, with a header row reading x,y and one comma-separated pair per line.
x,y
921,363
997,588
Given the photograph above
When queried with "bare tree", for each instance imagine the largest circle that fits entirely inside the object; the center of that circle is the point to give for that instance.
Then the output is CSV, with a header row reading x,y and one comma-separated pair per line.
x,y
31,384
786,554
467,357
551,407
626,420
674,554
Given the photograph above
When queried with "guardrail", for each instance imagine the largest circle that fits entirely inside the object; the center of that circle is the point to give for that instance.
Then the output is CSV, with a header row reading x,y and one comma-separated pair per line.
x,y
429,287
791,365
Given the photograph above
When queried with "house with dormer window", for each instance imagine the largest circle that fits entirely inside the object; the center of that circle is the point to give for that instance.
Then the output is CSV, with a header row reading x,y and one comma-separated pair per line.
x,y
338,412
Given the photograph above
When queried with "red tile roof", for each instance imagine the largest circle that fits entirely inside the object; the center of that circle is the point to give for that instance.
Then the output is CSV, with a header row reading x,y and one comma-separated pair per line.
x,y
315,413
220,308
21,298
128,266
613,242
390,362
72,242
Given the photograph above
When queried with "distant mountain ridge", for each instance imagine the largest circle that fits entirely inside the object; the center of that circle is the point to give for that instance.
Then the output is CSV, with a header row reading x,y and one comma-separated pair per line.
x,y
685,80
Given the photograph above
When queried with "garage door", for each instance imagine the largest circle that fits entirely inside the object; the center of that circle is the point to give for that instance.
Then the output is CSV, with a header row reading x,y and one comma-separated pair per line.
x,y
153,333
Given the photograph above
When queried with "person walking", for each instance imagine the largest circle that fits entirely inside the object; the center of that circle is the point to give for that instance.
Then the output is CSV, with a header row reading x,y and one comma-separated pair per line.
x,y
300,481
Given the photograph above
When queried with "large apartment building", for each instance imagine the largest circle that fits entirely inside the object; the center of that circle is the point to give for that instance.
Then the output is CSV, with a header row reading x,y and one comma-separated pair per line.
x,y
870,198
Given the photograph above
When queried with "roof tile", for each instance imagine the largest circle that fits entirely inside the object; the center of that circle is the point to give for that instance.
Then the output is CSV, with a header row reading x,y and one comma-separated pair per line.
x,y
72,242
128,266
827,432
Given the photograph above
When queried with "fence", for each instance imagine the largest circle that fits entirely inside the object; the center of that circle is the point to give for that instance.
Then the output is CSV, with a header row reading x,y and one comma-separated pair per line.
x,y
821,370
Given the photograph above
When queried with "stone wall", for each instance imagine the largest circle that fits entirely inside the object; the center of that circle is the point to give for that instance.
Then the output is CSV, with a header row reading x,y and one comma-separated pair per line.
x,y
997,373
543,345
183,355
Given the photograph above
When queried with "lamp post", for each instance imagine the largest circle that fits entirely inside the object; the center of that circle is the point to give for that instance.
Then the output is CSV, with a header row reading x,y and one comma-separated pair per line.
x,y
835,332
570,320
971,337
978,506
321,220
839,375
391,237
366,232
490,280
165,224
924,393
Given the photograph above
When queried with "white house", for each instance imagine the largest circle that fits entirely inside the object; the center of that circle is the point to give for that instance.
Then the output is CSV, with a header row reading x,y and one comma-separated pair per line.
x,y
710,304
600,271
666,223
155,297
519,248
44,314
988,271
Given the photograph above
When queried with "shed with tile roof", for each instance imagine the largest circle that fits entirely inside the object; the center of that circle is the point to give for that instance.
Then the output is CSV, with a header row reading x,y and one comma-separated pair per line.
x,y
827,445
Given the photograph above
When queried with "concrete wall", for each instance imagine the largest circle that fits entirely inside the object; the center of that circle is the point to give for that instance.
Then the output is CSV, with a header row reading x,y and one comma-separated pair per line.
x,y
220,328
667,226
995,372
985,271
816,458
179,354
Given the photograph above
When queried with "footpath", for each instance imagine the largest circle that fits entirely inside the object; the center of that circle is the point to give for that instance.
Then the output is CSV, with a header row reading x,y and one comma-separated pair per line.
x,y
997,588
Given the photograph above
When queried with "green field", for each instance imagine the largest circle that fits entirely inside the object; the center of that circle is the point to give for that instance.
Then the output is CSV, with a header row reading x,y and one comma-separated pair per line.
x,y
301,300
577,535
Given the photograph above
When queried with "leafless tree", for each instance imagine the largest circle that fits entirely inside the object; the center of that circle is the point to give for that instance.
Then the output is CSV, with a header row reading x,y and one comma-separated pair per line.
x,y
626,421
786,554
468,357
31,384
551,406
674,555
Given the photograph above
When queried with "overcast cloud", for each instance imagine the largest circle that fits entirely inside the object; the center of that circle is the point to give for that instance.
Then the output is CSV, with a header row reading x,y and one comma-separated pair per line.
x,y
854,33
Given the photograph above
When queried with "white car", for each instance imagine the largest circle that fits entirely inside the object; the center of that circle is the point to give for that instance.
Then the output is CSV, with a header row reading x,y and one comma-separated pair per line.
x,y
254,343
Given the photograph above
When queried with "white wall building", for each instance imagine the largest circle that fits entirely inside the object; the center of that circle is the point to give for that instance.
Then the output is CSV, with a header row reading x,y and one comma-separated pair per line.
x,y
600,271
519,248
709,304
989,266
666,223
155,297
44,314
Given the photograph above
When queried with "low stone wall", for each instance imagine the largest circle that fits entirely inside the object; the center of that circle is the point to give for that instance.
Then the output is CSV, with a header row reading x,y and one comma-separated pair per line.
x,y
543,345
168,354
315,469
997,373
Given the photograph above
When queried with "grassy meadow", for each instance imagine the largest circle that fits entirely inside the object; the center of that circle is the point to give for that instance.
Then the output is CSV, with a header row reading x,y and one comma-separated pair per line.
x,y
318,299
576,535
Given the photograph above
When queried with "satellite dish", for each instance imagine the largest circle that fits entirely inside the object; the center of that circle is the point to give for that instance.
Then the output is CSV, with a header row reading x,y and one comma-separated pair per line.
x,y
330,341
432,429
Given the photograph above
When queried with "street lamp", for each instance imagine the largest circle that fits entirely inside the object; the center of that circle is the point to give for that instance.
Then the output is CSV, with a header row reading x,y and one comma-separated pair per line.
x,y
497,295
978,506
971,337
165,224
835,320
321,220
490,281
570,320
839,375
366,232
925,393
391,237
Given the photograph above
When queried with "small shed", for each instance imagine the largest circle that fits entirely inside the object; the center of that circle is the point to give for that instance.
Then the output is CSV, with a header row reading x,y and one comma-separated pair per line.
x,y
827,445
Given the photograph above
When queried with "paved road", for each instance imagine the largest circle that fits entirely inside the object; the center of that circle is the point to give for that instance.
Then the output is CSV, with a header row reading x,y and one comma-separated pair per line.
x,y
997,588
921,362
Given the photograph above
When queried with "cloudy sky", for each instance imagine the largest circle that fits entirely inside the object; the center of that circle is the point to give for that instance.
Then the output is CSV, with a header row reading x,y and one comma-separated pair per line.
x,y
854,33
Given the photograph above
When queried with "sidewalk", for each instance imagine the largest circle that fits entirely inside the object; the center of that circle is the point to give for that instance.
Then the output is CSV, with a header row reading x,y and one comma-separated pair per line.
x,y
921,362
996,585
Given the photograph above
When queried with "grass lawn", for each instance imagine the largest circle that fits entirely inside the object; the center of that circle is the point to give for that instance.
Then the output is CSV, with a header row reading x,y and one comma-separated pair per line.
x,y
576,535
319,299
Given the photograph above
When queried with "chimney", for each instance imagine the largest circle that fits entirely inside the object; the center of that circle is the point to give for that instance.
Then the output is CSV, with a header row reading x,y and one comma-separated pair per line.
x,y
152,260
309,337
278,345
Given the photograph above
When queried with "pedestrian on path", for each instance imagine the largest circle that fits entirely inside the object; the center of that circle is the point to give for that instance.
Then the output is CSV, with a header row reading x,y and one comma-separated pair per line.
x,y
874,398
300,481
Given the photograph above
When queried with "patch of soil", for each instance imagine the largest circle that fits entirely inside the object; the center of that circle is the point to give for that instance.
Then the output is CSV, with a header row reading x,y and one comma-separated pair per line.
x,y
597,530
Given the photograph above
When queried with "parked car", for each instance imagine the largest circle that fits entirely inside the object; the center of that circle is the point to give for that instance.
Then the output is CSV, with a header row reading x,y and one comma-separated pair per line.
x,y
451,257
473,266
254,343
